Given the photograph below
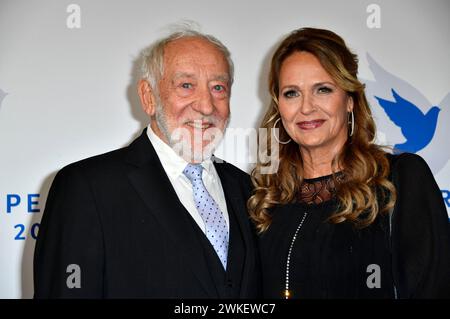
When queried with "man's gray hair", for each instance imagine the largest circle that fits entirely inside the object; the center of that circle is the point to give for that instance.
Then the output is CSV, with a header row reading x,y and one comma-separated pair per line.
x,y
153,58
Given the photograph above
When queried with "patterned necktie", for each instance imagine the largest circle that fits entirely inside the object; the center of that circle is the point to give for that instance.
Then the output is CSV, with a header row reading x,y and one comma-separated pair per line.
x,y
216,226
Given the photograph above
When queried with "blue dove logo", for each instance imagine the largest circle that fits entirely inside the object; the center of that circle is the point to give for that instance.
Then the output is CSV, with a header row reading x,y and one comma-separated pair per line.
x,y
417,128
406,119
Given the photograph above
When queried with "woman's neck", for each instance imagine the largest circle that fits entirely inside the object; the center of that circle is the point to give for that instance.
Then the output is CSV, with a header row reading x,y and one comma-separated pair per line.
x,y
317,162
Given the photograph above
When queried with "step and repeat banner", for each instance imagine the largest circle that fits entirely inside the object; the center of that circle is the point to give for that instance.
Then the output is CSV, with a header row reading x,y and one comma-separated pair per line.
x,y
68,74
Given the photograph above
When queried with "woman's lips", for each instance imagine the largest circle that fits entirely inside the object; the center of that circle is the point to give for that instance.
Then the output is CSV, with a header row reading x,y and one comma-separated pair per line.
x,y
310,125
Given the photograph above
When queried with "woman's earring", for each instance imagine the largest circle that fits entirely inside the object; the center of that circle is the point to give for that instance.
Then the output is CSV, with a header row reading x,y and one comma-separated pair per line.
x,y
351,123
275,136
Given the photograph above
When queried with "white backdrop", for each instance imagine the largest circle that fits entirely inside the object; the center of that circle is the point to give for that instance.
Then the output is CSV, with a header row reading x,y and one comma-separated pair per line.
x,y
67,93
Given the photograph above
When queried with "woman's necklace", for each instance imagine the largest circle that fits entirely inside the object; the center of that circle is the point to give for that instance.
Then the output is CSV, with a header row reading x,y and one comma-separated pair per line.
x,y
287,293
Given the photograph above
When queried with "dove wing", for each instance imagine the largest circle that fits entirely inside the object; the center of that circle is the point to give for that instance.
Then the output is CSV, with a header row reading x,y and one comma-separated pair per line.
x,y
381,87
401,112
385,81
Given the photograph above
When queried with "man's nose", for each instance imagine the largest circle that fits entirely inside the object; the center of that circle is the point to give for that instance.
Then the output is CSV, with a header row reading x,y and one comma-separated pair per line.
x,y
204,103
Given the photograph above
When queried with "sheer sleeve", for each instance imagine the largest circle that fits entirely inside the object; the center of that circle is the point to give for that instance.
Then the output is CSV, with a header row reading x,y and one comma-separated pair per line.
x,y
420,232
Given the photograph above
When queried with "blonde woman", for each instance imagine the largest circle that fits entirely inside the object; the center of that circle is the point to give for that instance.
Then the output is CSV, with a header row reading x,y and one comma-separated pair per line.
x,y
341,218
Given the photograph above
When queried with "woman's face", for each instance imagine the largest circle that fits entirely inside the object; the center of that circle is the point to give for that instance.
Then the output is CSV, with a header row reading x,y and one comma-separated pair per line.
x,y
313,108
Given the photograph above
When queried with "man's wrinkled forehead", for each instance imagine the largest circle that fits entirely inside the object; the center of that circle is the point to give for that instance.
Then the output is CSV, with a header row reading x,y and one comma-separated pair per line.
x,y
188,75
194,51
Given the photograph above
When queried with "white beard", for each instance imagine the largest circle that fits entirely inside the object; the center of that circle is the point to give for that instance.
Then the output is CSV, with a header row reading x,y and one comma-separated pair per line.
x,y
180,139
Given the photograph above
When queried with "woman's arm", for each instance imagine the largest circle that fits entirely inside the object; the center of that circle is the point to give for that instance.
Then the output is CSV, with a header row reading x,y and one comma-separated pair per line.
x,y
420,232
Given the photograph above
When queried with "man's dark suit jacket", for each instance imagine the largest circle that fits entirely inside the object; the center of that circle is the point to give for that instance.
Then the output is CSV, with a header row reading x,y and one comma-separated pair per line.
x,y
118,218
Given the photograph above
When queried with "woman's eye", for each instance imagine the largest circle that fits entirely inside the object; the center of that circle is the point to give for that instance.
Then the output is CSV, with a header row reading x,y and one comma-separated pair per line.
x,y
186,85
290,94
324,89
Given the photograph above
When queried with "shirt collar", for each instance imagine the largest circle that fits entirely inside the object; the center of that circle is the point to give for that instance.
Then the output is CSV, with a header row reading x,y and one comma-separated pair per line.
x,y
173,163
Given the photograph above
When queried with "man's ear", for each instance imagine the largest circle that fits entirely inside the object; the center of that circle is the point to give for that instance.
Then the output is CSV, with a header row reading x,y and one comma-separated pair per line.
x,y
146,94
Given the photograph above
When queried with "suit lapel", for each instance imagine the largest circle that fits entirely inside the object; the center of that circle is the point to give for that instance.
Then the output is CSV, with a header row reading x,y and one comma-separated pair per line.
x,y
154,187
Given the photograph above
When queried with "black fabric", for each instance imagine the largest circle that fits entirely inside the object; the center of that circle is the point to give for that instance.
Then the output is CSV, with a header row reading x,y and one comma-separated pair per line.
x,y
328,260
227,282
118,217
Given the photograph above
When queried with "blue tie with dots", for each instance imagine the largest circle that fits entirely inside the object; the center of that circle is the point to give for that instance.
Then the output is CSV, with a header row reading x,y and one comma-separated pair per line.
x,y
216,226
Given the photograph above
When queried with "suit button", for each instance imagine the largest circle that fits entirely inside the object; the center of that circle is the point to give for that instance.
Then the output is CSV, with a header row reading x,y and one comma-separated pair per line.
x,y
230,283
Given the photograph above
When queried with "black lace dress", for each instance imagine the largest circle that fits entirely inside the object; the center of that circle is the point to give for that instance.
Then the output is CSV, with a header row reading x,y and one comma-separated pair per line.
x,y
314,258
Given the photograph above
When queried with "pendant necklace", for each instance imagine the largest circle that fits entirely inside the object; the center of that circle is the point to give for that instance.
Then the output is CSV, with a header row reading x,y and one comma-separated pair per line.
x,y
287,293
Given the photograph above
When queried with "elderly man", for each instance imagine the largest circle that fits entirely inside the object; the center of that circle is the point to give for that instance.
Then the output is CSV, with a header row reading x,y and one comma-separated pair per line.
x,y
159,218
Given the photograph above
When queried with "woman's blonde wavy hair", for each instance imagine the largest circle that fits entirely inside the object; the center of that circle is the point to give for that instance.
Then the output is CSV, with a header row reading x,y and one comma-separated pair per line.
x,y
366,190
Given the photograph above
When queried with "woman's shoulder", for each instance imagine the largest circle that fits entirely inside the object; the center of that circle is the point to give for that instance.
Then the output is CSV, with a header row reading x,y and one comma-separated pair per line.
x,y
413,177
407,163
